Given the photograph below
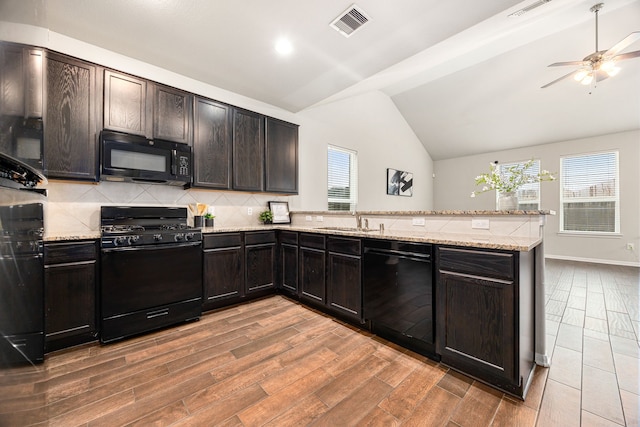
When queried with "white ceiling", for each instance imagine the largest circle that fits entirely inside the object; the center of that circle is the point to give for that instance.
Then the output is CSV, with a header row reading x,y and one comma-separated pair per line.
x,y
465,76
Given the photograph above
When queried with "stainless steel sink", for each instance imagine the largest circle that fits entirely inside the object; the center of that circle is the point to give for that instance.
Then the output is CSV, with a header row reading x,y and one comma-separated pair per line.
x,y
349,229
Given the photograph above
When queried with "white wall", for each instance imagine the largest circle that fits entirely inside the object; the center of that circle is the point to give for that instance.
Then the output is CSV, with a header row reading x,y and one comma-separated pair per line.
x,y
371,125
454,183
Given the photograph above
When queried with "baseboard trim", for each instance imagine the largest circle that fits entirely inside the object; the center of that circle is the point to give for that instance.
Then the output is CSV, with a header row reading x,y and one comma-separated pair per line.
x,y
594,260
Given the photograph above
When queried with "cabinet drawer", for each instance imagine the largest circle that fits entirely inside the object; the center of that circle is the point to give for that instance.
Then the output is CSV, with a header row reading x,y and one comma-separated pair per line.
x,y
312,240
59,253
256,238
290,237
344,246
223,240
121,326
498,265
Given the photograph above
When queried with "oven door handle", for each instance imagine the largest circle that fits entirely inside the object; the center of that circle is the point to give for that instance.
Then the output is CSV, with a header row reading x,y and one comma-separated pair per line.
x,y
152,247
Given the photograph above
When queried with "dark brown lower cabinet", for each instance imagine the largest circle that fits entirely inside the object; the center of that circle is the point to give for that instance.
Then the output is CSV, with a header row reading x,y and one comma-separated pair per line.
x,y
70,293
344,285
260,257
223,272
311,267
484,315
288,266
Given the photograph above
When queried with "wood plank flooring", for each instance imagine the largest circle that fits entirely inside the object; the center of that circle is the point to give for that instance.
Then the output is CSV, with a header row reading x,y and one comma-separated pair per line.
x,y
270,362
274,362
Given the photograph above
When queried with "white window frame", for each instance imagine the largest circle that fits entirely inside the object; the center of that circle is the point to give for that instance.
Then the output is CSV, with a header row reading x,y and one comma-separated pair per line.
x,y
615,198
353,179
533,185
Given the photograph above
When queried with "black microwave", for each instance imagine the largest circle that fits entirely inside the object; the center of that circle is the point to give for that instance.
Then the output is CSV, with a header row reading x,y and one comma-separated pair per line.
x,y
135,158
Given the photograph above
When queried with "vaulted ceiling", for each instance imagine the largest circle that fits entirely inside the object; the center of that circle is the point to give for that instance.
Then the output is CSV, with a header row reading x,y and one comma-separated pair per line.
x,y
466,77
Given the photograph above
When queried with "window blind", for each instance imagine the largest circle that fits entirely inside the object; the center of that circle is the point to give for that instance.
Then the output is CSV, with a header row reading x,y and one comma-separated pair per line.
x,y
590,193
342,179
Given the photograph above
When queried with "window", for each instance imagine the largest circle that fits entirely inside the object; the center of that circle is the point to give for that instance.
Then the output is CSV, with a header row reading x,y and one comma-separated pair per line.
x,y
528,194
342,179
589,196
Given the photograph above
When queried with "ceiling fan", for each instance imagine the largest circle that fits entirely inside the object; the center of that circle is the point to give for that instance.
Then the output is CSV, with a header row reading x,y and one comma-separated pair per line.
x,y
601,64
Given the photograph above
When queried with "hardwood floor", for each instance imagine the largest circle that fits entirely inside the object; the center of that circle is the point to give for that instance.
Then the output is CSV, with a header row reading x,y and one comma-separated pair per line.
x,y
275,362
270,362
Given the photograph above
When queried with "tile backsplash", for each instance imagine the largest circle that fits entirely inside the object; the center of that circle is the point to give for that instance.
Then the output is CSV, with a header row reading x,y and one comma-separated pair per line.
x,y
74,208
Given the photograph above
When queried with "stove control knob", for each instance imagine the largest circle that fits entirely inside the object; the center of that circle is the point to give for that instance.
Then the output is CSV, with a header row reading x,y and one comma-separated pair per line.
x,y
179,237
134,239
157,237
188,236
120,241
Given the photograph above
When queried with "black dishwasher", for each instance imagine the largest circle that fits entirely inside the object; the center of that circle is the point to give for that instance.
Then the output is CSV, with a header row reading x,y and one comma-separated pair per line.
x,y
398,293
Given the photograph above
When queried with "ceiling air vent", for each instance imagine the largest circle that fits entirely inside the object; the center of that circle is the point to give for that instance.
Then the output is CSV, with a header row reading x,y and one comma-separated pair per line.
x,y
349,21
528,8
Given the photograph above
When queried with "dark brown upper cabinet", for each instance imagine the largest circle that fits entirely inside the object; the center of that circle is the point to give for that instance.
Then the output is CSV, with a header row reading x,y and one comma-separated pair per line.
x,y
281,156
248,150
212,144
125,103
21,87
137,106
172,114
70,131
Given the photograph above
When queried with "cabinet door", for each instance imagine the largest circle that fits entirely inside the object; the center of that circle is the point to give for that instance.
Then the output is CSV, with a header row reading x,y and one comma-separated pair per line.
x,y
312,275
172,114
248,150
70,149
21,87
70,304
260,260
289,267
212,145
223,275
344,287
476,324
125,103
281,156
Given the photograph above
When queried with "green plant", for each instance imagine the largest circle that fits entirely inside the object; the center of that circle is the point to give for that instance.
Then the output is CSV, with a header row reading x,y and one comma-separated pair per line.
x,y
209,216
509,179
266,216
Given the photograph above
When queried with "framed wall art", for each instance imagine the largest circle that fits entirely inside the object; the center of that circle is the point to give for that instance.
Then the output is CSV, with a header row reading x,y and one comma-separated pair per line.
x,y
280,212
399,183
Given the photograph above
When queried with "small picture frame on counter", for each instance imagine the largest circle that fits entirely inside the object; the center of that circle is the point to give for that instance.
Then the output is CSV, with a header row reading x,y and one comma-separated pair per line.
x,y
280,212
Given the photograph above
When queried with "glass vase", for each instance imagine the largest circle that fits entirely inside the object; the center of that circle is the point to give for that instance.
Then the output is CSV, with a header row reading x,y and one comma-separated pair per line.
x,y
508,201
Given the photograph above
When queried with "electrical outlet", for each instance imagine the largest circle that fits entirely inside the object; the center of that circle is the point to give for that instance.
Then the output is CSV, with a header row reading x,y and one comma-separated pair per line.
x,y
482,224
308,218
631,247
319,218
417,221
249,211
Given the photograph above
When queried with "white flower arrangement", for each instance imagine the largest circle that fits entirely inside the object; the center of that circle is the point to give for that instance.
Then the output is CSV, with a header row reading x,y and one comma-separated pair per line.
x,y
510,179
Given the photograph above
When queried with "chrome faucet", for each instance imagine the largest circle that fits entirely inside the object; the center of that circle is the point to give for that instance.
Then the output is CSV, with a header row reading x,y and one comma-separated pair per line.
x,y
358,220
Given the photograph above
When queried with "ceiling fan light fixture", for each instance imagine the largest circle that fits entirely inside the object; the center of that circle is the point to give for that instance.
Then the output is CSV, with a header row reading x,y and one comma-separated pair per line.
x,y
613,71
580,74
587,79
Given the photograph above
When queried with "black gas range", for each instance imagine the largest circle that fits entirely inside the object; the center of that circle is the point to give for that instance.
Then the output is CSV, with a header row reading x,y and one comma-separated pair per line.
x,y
135,226
151,270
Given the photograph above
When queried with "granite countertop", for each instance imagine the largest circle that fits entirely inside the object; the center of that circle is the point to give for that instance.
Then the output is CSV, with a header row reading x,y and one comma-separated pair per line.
x,y
457,239
60,236
429,213
524,244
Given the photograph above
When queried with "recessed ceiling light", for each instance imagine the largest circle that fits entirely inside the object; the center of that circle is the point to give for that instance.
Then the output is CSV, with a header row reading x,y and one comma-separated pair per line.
x,y
284,47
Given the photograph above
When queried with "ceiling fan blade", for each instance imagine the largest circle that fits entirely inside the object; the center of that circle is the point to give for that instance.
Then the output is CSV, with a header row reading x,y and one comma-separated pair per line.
x,y
574,63
622,44
558,79
628,55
